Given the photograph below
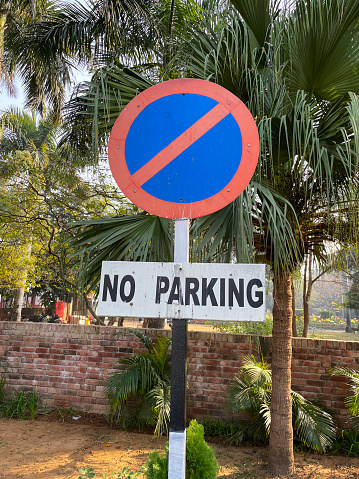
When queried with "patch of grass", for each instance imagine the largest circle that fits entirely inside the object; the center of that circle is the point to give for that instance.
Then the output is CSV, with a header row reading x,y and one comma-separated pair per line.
x,y
336,335
231,430
347,443
23,404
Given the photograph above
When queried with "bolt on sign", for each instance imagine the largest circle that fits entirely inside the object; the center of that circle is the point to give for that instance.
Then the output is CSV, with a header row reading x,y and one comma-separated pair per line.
x,y
232,292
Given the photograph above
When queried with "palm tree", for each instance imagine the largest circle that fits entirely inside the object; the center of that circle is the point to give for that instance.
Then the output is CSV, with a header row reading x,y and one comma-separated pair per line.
x,y
251,392
305,116
44,77
294,69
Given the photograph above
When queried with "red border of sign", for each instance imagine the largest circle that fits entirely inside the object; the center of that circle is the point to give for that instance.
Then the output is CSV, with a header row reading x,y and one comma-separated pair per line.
x,y
166,209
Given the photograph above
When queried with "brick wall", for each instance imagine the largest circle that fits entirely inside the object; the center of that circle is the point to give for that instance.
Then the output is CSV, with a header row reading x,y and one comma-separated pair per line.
x,y
67,364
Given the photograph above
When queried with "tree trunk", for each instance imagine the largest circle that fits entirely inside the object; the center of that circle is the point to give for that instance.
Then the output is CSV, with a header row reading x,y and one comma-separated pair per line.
x,y
20,290
294,319
97,319
2,32
281,457
154,323
307,292
18,301
348,328
116,319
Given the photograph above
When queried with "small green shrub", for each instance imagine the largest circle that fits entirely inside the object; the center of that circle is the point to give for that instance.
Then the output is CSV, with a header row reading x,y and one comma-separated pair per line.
x,y
237,327
201,462
325,314
157,465
66,412
23,404
87,473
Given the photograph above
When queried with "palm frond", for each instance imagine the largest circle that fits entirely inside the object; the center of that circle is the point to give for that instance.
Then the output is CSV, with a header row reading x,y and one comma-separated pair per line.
x,y
95,106
251,392
160,400
131,238
160,355
351,402
258,15
313,425
323,47
136,376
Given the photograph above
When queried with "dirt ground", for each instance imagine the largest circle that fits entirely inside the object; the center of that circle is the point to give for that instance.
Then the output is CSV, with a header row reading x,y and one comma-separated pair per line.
x,y
53,448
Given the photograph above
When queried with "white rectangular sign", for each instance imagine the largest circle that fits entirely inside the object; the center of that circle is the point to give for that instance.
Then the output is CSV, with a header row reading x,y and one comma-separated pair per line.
x,y
208,291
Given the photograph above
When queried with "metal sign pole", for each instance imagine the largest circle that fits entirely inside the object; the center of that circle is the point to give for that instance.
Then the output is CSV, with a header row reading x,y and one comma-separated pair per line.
x,y
177,439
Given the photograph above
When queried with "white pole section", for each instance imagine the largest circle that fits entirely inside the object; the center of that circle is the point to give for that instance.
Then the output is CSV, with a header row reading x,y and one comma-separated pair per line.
x,y
181,251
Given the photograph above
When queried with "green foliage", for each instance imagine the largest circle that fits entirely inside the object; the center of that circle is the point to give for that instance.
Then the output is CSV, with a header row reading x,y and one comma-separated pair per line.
x,y
157,465
231,430
42,191
86,473
325,314
237,327
23,404
352,401
347,443
126,237
352,296
4,367
251,391
145,376
65,412
43,79
201,462
124,473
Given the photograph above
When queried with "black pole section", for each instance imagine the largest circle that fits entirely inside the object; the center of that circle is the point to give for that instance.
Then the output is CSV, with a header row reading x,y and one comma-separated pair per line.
x,y
178,375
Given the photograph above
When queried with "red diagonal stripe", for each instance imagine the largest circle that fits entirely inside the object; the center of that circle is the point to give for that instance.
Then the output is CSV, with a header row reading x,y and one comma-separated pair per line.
x,y
180,144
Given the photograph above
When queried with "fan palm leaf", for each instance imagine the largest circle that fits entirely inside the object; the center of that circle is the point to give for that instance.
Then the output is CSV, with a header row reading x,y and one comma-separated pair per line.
x,y
351,402
95,106
322,47
251,392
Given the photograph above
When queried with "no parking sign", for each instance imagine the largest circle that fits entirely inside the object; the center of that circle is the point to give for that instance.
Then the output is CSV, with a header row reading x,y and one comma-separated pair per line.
x,y
183,148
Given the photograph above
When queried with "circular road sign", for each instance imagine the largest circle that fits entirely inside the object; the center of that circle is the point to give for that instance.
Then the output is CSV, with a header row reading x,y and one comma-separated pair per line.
x,y
183,148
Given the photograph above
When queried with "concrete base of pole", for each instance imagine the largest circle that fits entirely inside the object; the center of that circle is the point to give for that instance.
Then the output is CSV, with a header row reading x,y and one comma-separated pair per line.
x,y
177,455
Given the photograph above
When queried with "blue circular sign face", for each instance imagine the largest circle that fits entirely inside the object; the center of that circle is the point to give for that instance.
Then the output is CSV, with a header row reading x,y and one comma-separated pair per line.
x,y
183,148
189,177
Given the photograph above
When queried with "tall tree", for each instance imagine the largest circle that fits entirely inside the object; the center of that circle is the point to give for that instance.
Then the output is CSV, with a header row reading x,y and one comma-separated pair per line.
x,y
43,76
42,190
